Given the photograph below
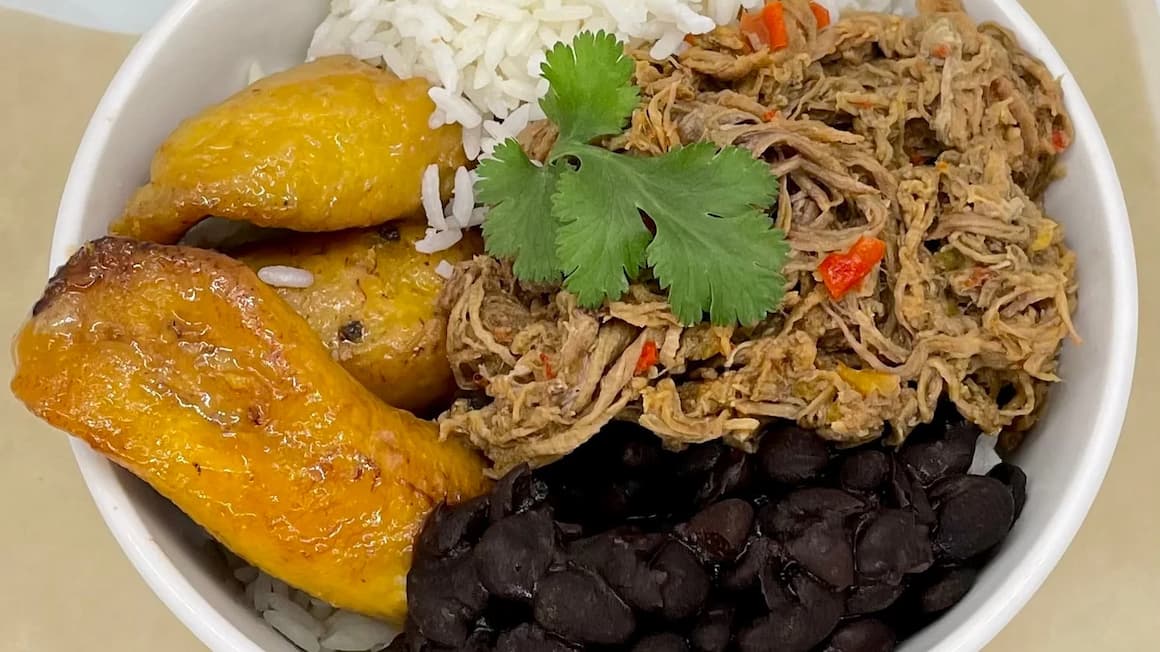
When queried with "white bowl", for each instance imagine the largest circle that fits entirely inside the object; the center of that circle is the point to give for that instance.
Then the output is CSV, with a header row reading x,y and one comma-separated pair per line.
x,y
200,53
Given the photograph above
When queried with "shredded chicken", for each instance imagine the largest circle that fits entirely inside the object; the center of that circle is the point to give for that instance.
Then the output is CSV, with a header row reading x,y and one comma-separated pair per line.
x,y
931,133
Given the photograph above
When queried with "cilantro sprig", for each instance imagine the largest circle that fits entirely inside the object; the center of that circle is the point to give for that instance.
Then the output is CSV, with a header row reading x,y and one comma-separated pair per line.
x,y
579,216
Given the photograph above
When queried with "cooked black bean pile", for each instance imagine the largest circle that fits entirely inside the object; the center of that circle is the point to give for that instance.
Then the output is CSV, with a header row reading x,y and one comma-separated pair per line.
x,y
625,546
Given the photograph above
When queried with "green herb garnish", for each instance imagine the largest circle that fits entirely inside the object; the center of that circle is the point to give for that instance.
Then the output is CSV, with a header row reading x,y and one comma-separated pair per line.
x,y
579,216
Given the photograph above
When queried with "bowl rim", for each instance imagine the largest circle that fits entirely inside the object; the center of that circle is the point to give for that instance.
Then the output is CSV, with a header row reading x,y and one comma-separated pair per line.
x,y
121,516
208,624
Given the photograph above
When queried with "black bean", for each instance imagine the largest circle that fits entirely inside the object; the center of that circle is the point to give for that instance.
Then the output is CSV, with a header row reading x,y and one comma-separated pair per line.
x,y
481,640
617,559
730,474
864,470
444,598
666,642
891,545
641,453
799,621
758,553
867,635
569,530
517,492
824,549
718,532
974,514
800,509
529,638
945,589
907,493
451,531
608,505
411,640
515,553
645,543
713,630
581,607
872,598
699,460
825,605
1016,481
933,459
774,583
792,455
686,583
420,644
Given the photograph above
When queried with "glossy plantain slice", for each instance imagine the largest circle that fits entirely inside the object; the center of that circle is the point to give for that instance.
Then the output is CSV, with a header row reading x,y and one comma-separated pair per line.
x,y
183,367
329,145
373,304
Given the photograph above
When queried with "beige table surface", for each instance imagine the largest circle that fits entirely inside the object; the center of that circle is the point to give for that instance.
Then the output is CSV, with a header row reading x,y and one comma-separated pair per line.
x,y
65,585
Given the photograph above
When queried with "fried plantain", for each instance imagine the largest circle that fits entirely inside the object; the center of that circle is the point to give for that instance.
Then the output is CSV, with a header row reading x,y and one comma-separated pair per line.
x,y
183,367
325,146
373,304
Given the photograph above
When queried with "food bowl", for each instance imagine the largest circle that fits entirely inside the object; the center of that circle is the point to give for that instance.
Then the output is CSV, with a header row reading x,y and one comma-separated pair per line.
x,y
200,53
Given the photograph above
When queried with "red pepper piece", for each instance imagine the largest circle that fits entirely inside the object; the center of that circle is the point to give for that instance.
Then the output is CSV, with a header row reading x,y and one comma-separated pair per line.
x,y
841,272
648,358
547,362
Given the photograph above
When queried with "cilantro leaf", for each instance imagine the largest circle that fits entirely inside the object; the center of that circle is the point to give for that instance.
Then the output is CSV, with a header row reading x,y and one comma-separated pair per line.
x,y
714,250
602,240
520,225
581,216
730,266
591,92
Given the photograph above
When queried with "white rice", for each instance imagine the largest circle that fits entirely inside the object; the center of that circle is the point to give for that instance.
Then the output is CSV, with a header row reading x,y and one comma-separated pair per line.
x,y
309,623
432,202
444,269
446,224
463,200
281,276
435,240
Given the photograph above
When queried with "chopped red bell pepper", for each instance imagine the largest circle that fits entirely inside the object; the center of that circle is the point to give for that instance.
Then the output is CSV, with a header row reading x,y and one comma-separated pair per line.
x,y
821,15
648,358
774,18
753,26
767,25
841,272
1059,140
547,362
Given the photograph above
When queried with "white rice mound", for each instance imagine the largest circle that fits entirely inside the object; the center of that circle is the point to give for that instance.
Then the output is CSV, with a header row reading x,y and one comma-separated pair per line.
x,y
483,56
309,623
